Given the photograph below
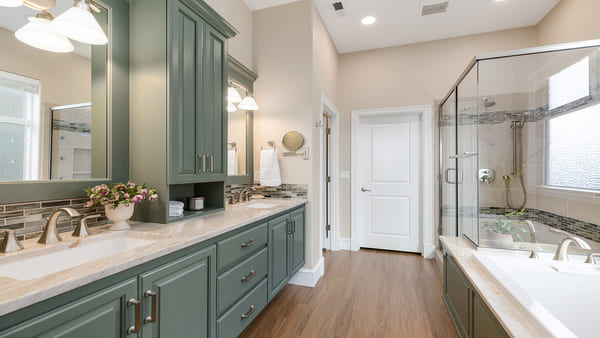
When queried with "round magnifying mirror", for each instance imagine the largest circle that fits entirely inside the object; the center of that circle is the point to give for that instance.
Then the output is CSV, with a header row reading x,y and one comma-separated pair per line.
x,y
293,140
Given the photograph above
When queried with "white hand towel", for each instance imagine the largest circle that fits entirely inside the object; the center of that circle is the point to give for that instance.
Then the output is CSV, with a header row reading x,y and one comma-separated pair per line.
x,y
232,162
270,176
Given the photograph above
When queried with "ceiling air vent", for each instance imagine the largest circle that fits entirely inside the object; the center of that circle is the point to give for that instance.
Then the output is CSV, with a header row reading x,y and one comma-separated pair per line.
x,y
338,8
436,8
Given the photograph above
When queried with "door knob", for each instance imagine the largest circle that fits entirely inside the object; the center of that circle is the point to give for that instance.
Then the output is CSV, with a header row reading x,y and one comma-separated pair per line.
x,y
365,190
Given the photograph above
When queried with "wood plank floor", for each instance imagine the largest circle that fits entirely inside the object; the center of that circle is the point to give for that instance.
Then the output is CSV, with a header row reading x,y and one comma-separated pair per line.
x,y
369,293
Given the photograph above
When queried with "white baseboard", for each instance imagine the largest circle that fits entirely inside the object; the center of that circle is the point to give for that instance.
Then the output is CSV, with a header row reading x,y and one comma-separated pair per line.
x,y
344,244
354,245
428,250
309,277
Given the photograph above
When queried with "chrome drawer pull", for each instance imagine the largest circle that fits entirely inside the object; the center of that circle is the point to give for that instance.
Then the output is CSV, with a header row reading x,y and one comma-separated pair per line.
x,y
211,161
288,223
138,315
152,318
249,277
249,313
202,164
249,243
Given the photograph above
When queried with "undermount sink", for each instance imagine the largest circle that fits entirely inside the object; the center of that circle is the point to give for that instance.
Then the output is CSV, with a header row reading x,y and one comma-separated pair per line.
x,y
47,261
261,204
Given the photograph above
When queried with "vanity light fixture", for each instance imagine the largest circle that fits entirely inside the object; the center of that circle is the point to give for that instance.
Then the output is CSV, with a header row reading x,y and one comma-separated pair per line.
x,y
248,103
41,33
79,24
11,3
233,96
231,108
368,20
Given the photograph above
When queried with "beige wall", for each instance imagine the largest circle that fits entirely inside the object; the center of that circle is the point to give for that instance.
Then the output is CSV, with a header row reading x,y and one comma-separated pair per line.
x,y
415,74
569,21
237,13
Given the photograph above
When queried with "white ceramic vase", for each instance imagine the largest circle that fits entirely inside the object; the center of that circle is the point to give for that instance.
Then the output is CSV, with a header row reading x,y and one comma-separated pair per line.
x,y
119,216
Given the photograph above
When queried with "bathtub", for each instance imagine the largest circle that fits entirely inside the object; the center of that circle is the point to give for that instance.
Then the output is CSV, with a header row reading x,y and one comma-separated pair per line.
x,y
563,297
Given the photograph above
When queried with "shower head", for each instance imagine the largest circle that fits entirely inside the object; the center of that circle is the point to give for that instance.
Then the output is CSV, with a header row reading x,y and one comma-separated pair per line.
x,y
488,103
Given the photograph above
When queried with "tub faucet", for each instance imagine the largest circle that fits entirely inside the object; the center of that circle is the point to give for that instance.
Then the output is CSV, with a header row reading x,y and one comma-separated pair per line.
x,y
50,234
562,250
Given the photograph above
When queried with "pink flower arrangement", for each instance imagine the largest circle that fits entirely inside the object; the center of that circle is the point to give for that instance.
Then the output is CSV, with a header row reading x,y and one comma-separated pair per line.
x,y
119,193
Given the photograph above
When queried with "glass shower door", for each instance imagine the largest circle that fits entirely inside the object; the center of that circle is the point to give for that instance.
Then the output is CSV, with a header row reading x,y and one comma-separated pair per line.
x,y
448,210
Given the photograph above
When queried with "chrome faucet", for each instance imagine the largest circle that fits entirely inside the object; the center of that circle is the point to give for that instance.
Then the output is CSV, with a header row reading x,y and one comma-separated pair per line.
x,y
562,250
245,191
50,234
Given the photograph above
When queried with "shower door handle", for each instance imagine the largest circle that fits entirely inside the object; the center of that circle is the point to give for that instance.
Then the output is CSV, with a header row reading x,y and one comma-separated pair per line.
x,y
458,175
466,154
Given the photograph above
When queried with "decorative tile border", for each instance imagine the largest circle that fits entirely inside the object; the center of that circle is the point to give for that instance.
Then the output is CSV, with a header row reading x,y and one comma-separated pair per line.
x,y
282,191
29,218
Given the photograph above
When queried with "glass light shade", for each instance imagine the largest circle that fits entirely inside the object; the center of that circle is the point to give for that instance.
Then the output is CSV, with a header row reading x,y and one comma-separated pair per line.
x,y
233,96
40,33
231,108
11,3
79,24
248,103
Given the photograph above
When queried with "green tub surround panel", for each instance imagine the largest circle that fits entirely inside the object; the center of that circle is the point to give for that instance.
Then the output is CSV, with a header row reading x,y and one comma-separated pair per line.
x,y
178,103
470,314
207,289
111,93
246,77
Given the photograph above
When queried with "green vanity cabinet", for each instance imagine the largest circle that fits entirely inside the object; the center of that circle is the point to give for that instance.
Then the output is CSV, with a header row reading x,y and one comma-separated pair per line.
x,y
103,314
198,86
286,249
179,297
470,314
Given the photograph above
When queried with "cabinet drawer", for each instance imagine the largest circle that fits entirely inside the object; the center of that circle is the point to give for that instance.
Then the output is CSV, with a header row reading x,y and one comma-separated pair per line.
x,y
234,283
234,321
239,246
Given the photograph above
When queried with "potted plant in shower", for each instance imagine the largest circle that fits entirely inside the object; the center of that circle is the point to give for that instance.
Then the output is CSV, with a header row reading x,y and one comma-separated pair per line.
x,y
119,200
499,232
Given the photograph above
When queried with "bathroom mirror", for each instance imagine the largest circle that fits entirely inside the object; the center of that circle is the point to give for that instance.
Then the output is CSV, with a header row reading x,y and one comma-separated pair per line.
x,y
53,96
63,102
293,140
240,124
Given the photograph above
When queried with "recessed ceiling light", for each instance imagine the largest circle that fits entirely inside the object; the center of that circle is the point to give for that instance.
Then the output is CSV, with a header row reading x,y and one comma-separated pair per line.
x,y
368,20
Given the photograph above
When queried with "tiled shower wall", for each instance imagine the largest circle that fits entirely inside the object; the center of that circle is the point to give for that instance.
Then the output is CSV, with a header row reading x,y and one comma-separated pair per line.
x,y
29,218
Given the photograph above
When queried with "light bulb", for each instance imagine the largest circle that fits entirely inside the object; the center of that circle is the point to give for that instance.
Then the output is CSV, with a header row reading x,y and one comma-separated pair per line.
x,y
248,103
233,96
40,33
11,3
231,108
79,24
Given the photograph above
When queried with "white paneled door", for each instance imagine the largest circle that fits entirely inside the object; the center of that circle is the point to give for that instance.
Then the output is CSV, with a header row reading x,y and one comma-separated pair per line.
x,y
388,178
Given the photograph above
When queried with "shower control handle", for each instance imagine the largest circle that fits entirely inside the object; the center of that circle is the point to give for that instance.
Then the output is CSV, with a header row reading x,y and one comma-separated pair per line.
x,y
465,154
363,189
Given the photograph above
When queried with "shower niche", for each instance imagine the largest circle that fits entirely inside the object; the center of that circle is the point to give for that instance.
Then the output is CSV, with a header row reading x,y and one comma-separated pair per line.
x,y
520,149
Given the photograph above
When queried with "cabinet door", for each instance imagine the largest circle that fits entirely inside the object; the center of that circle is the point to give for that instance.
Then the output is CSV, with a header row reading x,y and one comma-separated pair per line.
x,y
185,297
103,314
457,295
186,94
215,118
297,241
485,325
278,254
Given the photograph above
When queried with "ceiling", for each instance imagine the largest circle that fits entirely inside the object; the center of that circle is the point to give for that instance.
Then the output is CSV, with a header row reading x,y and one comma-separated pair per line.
x,y
13,18
399,22
260,4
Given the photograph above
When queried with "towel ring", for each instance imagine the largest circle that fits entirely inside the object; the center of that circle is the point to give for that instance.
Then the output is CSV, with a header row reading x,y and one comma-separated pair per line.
x,y
271,145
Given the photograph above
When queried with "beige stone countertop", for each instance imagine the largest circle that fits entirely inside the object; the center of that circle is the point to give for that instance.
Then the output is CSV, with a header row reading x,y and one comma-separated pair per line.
x,y
517,321
16,294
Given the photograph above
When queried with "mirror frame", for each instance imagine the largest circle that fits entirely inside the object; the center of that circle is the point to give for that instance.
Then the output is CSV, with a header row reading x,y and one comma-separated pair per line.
x,y
246,77
117,103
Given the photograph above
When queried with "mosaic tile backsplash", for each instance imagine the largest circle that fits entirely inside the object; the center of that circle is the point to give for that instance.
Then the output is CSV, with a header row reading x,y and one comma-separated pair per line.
x,y
283,191
29,218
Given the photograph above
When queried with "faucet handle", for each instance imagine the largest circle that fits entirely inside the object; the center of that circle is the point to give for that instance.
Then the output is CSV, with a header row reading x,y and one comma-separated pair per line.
x,y
82,228
591,258
10,242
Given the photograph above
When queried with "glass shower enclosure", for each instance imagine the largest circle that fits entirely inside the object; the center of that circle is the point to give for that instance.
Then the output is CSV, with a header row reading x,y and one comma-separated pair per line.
x,y
520,148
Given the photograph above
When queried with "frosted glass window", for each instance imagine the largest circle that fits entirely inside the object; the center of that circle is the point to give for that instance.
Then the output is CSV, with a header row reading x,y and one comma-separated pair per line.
x,y
569,84
573,150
